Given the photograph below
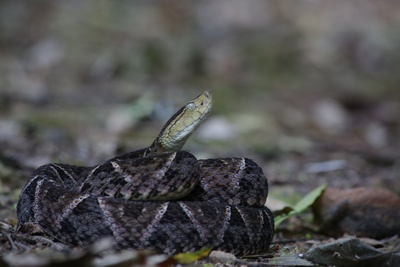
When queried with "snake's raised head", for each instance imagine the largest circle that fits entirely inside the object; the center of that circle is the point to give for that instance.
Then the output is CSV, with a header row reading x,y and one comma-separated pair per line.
x,y
181,125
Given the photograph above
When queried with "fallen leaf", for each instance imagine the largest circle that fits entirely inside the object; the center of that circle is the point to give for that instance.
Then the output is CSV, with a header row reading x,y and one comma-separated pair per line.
x,y
351,252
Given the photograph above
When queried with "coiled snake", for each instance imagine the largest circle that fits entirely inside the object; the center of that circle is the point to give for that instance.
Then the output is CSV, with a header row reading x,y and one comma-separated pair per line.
x,y
159,198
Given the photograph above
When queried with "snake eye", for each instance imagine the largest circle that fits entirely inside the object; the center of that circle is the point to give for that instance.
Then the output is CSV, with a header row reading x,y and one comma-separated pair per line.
x,y
190,106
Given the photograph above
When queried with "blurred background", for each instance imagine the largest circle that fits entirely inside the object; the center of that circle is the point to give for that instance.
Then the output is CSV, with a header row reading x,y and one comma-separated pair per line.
x,y
309,89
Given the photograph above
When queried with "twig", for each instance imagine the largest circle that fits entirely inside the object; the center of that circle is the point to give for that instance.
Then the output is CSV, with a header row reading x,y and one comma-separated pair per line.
x,y
13,246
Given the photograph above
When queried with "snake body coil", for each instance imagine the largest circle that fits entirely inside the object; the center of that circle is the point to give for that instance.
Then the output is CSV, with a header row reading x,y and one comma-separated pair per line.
x,y
158,198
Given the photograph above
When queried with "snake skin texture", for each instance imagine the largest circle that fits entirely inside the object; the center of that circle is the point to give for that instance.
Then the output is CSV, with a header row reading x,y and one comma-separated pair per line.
x,y
167,203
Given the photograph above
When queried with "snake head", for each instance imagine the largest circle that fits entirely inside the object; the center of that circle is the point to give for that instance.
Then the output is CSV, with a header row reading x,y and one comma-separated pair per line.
x,y
181,125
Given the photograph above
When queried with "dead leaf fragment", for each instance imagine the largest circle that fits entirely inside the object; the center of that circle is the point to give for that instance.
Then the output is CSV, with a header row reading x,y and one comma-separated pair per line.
x,y
191,257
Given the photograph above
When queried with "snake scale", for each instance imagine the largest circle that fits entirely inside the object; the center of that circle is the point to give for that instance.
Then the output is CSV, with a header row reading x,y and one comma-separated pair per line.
x,y
160,198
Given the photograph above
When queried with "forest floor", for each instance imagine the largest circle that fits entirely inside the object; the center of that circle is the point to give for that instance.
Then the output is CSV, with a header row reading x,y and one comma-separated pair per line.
x,y
295,164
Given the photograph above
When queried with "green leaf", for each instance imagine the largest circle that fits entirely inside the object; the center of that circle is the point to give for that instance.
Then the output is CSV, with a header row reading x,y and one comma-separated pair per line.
x,y
302,205
309,199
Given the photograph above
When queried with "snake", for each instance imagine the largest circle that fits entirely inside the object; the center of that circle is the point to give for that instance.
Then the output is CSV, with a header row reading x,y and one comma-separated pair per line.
x,y
160,198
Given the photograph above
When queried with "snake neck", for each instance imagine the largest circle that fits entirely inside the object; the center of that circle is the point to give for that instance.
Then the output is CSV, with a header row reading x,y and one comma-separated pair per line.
x,y
181,125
